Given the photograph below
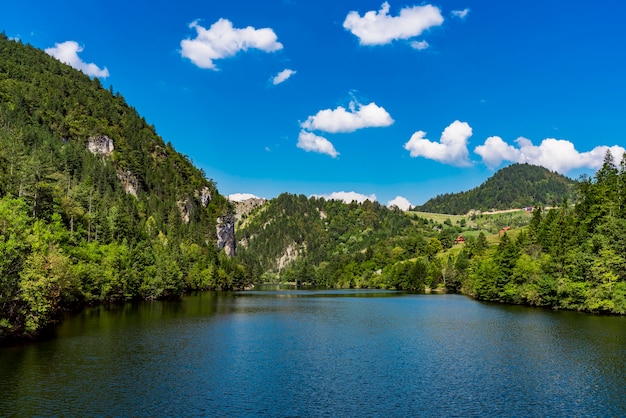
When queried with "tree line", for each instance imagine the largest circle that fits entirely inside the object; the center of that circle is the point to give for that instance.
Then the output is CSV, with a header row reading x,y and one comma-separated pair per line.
x,y
572,256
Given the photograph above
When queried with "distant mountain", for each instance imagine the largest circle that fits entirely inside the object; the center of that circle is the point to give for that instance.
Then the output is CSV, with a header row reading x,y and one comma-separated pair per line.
x,y
515,186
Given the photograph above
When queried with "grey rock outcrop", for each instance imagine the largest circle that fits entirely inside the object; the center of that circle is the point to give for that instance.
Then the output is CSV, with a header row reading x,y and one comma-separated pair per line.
x,y
129,182
100,145
185,207
226,234
246,207
290,254
204,195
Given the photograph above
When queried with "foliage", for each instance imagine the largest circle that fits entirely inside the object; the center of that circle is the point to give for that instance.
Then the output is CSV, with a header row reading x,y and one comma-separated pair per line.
x,y
70,233
327,242
515,186
572,256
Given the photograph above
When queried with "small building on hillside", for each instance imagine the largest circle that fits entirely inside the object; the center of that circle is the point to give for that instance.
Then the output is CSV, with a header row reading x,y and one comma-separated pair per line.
x,y
503,230
459,240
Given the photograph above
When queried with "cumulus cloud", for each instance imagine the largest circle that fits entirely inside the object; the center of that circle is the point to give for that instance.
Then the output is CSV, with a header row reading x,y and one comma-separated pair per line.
x,y
313,143
348,120
348,197
554,154
67,52
494,151
240,197
379,28
419,45
282,76
400,202
452,149
461,14
221,40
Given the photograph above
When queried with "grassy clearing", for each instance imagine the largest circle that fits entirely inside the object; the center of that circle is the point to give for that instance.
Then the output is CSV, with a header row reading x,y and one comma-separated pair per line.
x,y
439,217
491,224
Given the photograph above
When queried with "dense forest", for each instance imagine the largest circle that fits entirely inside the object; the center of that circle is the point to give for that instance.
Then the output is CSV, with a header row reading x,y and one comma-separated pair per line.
x,y
327,242
515,186
571,256
94,206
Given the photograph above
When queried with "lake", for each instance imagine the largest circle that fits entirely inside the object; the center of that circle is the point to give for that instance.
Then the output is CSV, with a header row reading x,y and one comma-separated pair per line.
x,y
275,352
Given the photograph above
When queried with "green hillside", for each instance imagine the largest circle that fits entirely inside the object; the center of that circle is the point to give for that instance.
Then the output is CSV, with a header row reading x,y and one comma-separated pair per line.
x,y
327,242
515,186
568,257
94,206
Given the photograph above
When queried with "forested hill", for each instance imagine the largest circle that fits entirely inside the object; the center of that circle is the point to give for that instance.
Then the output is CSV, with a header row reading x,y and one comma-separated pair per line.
x,y
328,242
515,186
94,206
567,257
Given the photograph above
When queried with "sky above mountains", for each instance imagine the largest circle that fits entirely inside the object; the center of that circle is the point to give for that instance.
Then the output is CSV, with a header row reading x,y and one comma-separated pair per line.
x,y
391,101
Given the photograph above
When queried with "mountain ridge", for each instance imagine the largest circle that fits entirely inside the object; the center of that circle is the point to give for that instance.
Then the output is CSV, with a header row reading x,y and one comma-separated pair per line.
x,y
94,205
515,186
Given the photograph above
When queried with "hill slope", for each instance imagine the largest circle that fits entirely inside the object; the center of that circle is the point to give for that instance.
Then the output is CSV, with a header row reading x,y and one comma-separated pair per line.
x,y
515,186
328,242
94,206
568,257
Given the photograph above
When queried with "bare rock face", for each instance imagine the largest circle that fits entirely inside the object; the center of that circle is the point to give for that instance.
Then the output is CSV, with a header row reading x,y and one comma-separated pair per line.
x,y
100,145
245,207
185,208
291,253
129,182
226,234
204,195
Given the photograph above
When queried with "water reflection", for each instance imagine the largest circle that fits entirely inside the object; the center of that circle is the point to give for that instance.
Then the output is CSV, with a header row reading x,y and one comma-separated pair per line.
x,y
312,352
282,290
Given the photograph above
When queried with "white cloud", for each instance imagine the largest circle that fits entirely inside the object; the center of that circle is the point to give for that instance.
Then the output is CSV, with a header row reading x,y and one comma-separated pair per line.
x,y
461,14
419,45
310,142
495,150
378,28
240,197
554,154
401,202
282,76
221,40
348,197
341,120
452,149
67,52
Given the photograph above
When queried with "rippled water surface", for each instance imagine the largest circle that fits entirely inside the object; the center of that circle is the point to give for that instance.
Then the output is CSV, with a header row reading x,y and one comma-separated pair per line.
x,y
320,353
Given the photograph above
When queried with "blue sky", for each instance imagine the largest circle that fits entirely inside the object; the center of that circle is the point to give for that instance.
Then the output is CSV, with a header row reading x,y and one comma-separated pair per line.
x,y
355,98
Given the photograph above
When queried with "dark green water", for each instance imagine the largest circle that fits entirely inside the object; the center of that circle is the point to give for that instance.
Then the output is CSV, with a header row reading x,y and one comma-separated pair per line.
x,y
320,353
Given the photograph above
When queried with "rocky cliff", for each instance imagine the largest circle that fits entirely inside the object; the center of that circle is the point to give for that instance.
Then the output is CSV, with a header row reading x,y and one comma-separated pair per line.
x,y
226,234
246,207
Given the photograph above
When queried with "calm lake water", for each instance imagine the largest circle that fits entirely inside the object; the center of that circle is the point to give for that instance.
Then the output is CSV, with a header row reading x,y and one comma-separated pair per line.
x,y
320,353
